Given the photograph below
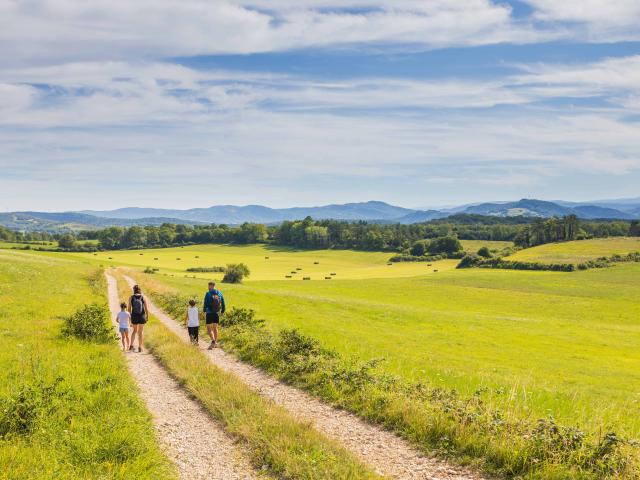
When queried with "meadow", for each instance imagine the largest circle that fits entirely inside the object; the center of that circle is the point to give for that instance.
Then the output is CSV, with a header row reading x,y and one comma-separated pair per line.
x,y
535,344
578,251
70,409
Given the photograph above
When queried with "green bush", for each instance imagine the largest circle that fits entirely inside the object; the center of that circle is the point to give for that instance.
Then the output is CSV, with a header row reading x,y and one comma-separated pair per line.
x,y
90,323
235,273
444,245
485,252
207,269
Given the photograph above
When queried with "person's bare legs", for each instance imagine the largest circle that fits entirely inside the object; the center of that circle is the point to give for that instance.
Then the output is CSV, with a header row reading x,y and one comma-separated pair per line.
x,y
215,332
140,330
124,336
133,335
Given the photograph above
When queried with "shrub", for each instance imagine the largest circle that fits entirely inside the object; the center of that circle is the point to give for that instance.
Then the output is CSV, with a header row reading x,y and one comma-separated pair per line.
x,y
484,252
206,269
90,323
235,273
151,270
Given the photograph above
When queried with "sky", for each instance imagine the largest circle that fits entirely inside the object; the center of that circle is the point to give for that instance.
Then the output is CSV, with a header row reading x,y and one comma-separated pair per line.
x,y
420,103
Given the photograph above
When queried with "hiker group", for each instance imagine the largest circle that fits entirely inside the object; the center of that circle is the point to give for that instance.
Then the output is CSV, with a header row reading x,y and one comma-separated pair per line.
x,y
133,315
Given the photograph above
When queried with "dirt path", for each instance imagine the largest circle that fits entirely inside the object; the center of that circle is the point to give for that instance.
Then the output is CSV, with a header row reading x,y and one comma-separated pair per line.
x,y
383,451
197,445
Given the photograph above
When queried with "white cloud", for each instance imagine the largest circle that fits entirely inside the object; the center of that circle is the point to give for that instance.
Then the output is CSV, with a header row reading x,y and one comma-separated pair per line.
x,y
53,31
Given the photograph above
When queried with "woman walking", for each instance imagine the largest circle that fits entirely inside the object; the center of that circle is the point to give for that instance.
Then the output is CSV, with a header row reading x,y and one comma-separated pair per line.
x,y
138,310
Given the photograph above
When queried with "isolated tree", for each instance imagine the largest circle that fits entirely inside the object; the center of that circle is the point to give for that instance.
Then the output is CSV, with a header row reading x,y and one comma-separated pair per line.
x,y
235,273
484,252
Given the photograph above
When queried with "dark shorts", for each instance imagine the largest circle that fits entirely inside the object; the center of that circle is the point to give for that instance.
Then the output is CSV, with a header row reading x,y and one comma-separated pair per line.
x,y
138,318
212,318
193,333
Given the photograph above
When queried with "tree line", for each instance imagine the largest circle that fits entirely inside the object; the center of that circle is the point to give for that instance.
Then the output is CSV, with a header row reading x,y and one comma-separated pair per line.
x,y
321,234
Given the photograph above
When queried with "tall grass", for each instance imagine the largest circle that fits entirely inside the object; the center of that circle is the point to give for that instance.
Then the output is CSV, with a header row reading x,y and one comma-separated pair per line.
x,y
69,409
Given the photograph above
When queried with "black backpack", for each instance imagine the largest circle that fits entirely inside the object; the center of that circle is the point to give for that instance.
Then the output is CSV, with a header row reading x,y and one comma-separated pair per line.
x,y
137,305
215,302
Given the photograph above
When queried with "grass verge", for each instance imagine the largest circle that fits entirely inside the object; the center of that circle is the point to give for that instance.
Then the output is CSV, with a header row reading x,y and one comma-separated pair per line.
x,y
69,407
275,441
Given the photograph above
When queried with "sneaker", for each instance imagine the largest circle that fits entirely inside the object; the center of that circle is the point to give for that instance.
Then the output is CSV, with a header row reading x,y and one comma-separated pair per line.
x,y
213,344
131,348
139,349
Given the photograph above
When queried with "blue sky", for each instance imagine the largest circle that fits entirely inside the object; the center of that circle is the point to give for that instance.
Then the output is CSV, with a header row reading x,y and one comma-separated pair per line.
x,y
189,103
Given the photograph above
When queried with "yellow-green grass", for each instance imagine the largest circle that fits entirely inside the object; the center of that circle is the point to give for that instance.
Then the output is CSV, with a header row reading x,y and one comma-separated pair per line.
x,y
99,428
472,246
578,251
346,264
274,440
544,343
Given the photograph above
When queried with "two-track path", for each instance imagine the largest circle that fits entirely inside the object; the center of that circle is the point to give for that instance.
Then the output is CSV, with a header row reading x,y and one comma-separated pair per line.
x,y
197,445
380,449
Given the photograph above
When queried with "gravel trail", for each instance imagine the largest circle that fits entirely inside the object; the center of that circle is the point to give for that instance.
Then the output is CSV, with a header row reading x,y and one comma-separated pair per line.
x,y
383,451
197,445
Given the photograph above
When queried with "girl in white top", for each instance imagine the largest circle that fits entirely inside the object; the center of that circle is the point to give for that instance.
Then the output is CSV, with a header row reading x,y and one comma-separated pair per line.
x,y
124,319
193,322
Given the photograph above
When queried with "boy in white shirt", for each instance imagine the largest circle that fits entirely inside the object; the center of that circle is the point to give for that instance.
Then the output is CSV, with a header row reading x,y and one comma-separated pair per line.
x,y
193,322
124,319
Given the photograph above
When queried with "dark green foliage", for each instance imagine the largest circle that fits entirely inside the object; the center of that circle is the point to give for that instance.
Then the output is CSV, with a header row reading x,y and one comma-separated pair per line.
x,y
444,245
411,258
235,272
484,252
419,248
90,323
67,242
207,269
151,270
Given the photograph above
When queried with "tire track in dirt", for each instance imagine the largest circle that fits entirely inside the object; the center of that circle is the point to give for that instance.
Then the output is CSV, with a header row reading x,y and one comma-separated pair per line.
x,y
381,450
197,445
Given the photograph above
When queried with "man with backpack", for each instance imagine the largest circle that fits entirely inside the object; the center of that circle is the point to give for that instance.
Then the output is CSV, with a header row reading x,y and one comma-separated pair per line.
x,y
213,307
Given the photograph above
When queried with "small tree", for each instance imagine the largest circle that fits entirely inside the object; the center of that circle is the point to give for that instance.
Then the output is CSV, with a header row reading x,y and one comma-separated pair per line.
x,y
67,241
235,273
484,252
447,245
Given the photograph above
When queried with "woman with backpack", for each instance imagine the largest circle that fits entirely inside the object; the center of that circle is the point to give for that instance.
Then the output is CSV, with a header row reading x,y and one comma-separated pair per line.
x,y
138,310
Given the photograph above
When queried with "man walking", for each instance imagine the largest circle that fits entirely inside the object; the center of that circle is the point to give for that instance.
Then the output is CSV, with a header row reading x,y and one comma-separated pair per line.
x,y
213,308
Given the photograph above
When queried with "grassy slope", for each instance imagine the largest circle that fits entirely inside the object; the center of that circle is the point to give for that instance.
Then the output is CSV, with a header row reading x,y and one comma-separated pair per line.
x,y
274,440
564,344
578,251
347,264
101,429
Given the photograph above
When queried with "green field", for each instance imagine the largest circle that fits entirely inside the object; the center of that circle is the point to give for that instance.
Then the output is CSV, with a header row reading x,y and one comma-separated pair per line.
x,y
281,261
538,344
69,408
578,251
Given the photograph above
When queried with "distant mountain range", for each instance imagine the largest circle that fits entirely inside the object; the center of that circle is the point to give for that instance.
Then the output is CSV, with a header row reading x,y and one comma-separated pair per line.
x,y
372,211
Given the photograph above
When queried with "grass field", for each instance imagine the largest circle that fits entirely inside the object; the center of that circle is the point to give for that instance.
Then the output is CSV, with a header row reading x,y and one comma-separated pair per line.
x,y
560,344
578,251
472,246
70,409
346,264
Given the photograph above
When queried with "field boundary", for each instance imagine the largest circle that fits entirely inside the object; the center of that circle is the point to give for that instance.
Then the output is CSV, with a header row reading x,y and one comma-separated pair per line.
x,y
381,449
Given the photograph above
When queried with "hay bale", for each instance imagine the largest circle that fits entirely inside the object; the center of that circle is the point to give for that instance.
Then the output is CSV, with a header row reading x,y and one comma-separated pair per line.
x,y
435,270
287,276
266,258
306,278
334,274
316,263
298,268
328,278
156,258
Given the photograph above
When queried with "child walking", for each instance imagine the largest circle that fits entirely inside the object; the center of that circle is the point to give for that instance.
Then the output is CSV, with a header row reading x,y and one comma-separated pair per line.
x,y
124,319
193,322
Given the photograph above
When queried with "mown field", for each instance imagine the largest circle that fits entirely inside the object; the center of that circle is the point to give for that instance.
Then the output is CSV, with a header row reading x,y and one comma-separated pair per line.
x,y
579,251
69,408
